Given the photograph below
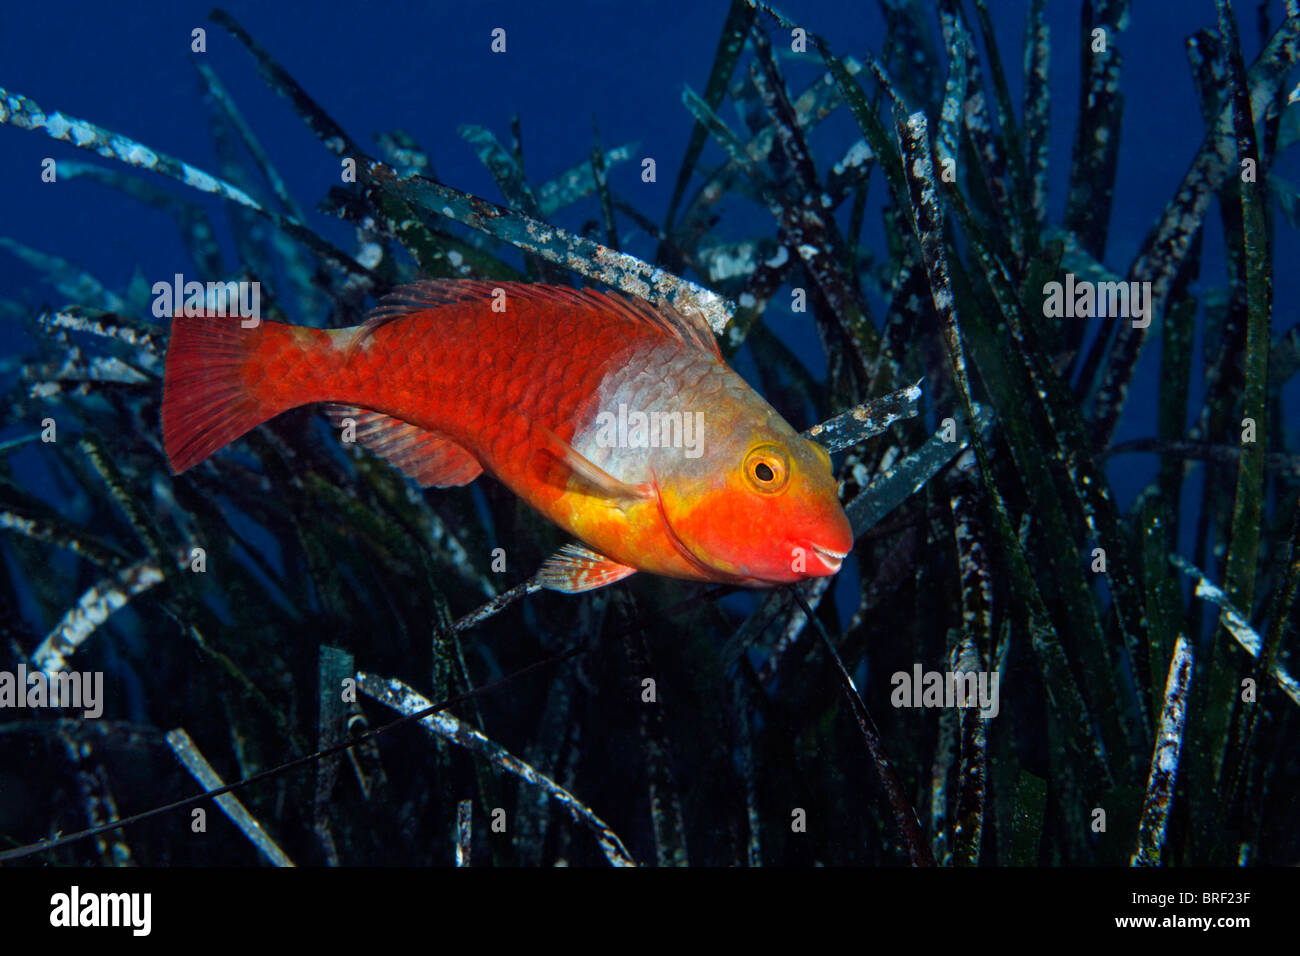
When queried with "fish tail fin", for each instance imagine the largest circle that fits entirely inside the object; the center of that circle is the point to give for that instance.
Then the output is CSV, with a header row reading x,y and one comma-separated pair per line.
x,y
221,380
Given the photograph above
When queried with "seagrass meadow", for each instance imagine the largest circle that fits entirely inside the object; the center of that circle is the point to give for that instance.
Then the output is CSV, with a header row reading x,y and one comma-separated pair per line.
x,y
869,233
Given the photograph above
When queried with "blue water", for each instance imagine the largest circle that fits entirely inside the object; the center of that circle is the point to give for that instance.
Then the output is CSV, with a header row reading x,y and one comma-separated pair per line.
x,y
427,68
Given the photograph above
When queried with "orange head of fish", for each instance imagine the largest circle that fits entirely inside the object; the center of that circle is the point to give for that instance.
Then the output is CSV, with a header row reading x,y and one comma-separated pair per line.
x,y
760,504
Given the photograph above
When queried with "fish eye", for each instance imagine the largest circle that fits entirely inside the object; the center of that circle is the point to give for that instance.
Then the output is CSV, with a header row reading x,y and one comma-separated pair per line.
x,y
767,469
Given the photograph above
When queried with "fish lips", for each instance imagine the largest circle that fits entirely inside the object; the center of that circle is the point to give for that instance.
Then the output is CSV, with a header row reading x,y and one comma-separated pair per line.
x,y
834,542
829,559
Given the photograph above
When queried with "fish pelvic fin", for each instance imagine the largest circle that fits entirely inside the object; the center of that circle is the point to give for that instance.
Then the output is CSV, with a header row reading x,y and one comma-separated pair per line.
x,y
222,379
426,456
576,568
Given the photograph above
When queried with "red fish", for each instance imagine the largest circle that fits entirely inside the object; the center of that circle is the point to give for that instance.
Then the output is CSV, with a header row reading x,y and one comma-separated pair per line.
x,y
617,420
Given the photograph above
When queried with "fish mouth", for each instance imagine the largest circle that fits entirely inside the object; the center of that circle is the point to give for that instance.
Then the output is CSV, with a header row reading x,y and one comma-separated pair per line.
x,y
832,559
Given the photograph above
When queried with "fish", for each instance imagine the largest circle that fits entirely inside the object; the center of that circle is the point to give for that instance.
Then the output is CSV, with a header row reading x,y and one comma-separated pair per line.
x,y
616,419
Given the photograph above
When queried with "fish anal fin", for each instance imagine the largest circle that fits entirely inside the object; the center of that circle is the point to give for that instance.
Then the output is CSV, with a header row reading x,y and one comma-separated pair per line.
x,y
429,458
575,568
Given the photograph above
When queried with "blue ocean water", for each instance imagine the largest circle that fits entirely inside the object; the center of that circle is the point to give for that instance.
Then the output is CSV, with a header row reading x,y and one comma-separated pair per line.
x,y
427,68
570,67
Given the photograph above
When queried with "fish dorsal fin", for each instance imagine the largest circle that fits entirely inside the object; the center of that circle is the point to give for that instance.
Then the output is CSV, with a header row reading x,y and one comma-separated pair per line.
x,y
577,568
588,470
687,327
420,454
429,294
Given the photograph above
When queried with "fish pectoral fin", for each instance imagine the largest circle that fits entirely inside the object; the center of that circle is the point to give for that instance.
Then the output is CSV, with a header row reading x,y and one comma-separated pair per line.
x,y
576,568
589,471
426,456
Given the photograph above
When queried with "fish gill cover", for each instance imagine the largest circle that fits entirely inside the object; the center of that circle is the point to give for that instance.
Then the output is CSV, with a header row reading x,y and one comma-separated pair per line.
x,y
1019,666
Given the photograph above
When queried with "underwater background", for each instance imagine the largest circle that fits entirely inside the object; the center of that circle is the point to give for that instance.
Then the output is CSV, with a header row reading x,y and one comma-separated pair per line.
x,y
1110,537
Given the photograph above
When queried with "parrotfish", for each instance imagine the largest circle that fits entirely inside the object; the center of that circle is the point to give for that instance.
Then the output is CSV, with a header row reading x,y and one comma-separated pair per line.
x,y
617,420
